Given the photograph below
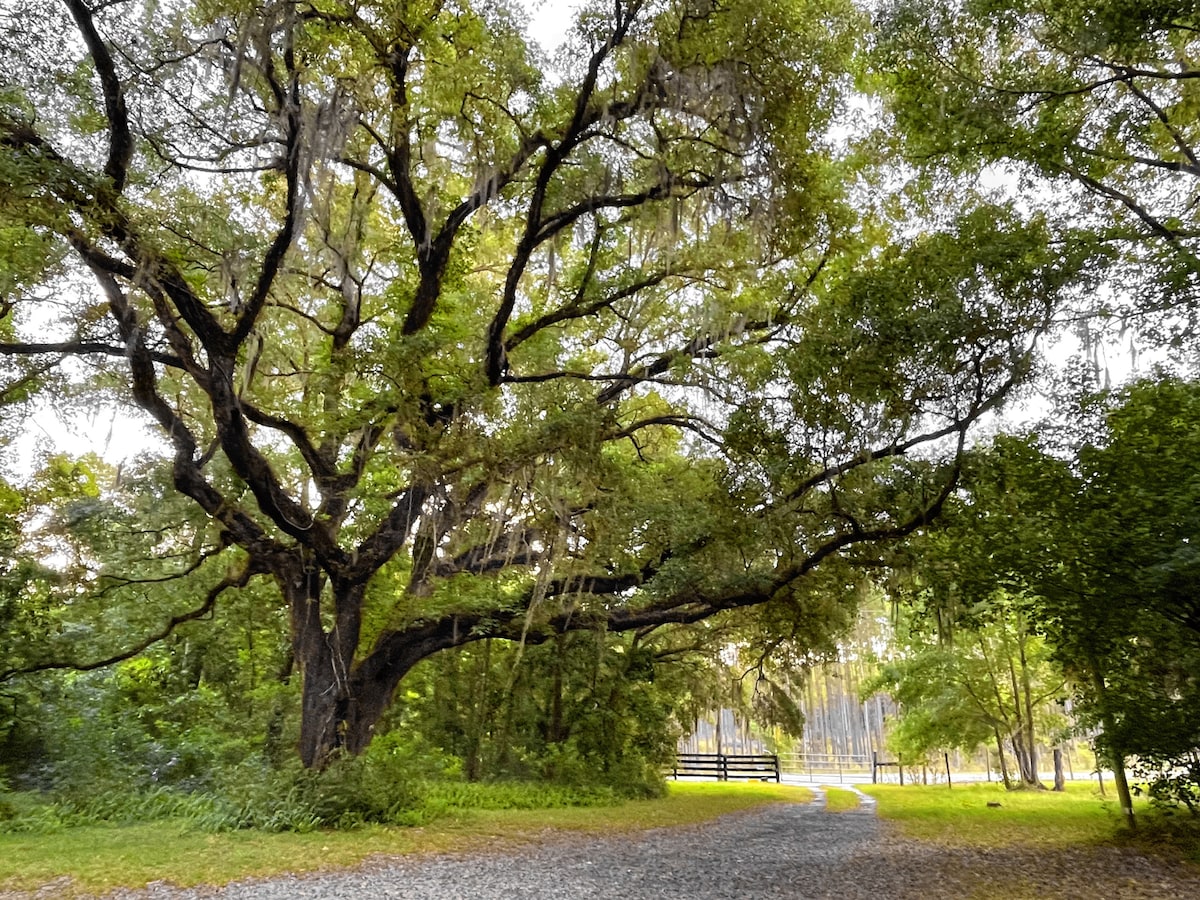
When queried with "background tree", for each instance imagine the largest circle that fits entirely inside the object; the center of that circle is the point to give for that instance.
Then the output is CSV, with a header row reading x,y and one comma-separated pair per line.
x,y
970,665
451,342
1121,603
1090,107
96,557
1089,110
1092,535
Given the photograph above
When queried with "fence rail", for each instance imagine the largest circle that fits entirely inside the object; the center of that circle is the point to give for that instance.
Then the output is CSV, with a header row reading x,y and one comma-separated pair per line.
x,y
724,766
827,766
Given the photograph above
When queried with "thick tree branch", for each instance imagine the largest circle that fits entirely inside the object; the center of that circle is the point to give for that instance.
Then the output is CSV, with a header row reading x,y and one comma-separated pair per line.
x,y
289,101
84,348
901,448
120,145
577,309
188,478
584,115
1097,187
397,651
1181,142
391,534
232,580
321,467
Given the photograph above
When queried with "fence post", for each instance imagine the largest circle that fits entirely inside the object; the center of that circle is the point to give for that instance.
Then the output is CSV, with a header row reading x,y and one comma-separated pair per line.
x,y
874,767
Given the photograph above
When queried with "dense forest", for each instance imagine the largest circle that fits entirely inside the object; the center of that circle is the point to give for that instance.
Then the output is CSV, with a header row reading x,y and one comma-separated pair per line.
x,y
508,400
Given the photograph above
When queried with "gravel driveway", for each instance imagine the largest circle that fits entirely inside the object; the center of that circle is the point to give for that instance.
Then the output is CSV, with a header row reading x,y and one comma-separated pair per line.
x,y
792,851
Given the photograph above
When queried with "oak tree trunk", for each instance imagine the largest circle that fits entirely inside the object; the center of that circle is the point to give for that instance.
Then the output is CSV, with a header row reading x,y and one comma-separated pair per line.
x,y
341,699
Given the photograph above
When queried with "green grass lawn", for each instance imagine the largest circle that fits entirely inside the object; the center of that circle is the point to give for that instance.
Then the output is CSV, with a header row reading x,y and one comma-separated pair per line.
x,y
840,800
1077,817
97,859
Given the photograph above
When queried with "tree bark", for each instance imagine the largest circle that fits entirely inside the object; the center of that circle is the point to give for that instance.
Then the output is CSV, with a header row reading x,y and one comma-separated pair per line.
x,y
1117,758
1023,728
1123,795
340,700
1018,747
1003,762
1027,690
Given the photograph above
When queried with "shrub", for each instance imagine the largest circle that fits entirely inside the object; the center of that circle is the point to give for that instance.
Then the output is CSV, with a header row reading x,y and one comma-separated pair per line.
x,y
1171,783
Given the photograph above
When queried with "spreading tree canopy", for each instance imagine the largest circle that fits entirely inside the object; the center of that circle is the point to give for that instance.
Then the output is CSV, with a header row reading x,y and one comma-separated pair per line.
x,y
1089,106
452,340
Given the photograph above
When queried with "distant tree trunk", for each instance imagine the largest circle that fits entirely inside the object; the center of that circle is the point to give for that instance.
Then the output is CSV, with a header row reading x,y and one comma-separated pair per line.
x,y
1116,757
1000,715
1060,780
1022,737
1027,691
507,709
479,713
1018,749
555,732
1003,762
273,748
1123,795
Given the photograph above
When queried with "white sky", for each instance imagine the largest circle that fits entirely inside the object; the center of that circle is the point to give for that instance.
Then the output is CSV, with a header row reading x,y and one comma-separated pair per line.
x,y
550,20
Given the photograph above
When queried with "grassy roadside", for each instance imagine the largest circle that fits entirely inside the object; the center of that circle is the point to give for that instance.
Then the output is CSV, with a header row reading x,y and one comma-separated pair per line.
x,y
840,800
96,859
1077,817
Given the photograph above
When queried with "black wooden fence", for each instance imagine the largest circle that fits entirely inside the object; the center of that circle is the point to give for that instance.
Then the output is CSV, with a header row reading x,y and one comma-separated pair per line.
x,y
724,766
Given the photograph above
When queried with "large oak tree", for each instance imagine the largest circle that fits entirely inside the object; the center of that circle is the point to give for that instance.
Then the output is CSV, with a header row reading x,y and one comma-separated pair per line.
x,y
453,340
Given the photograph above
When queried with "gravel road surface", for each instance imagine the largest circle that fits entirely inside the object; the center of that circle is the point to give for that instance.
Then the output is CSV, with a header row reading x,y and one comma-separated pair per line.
x,y
783,851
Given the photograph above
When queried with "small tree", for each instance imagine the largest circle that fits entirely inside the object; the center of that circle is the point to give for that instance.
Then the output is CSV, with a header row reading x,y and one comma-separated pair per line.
x,y
1120,605
986,678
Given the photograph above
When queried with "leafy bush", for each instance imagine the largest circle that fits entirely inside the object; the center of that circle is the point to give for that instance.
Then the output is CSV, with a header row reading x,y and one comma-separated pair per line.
x,y
1171,783
255,795
112,768
351,792
8,806
514,795
46,814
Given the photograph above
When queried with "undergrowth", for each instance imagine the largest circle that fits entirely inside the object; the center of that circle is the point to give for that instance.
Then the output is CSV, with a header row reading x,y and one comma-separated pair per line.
x,y
351,793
